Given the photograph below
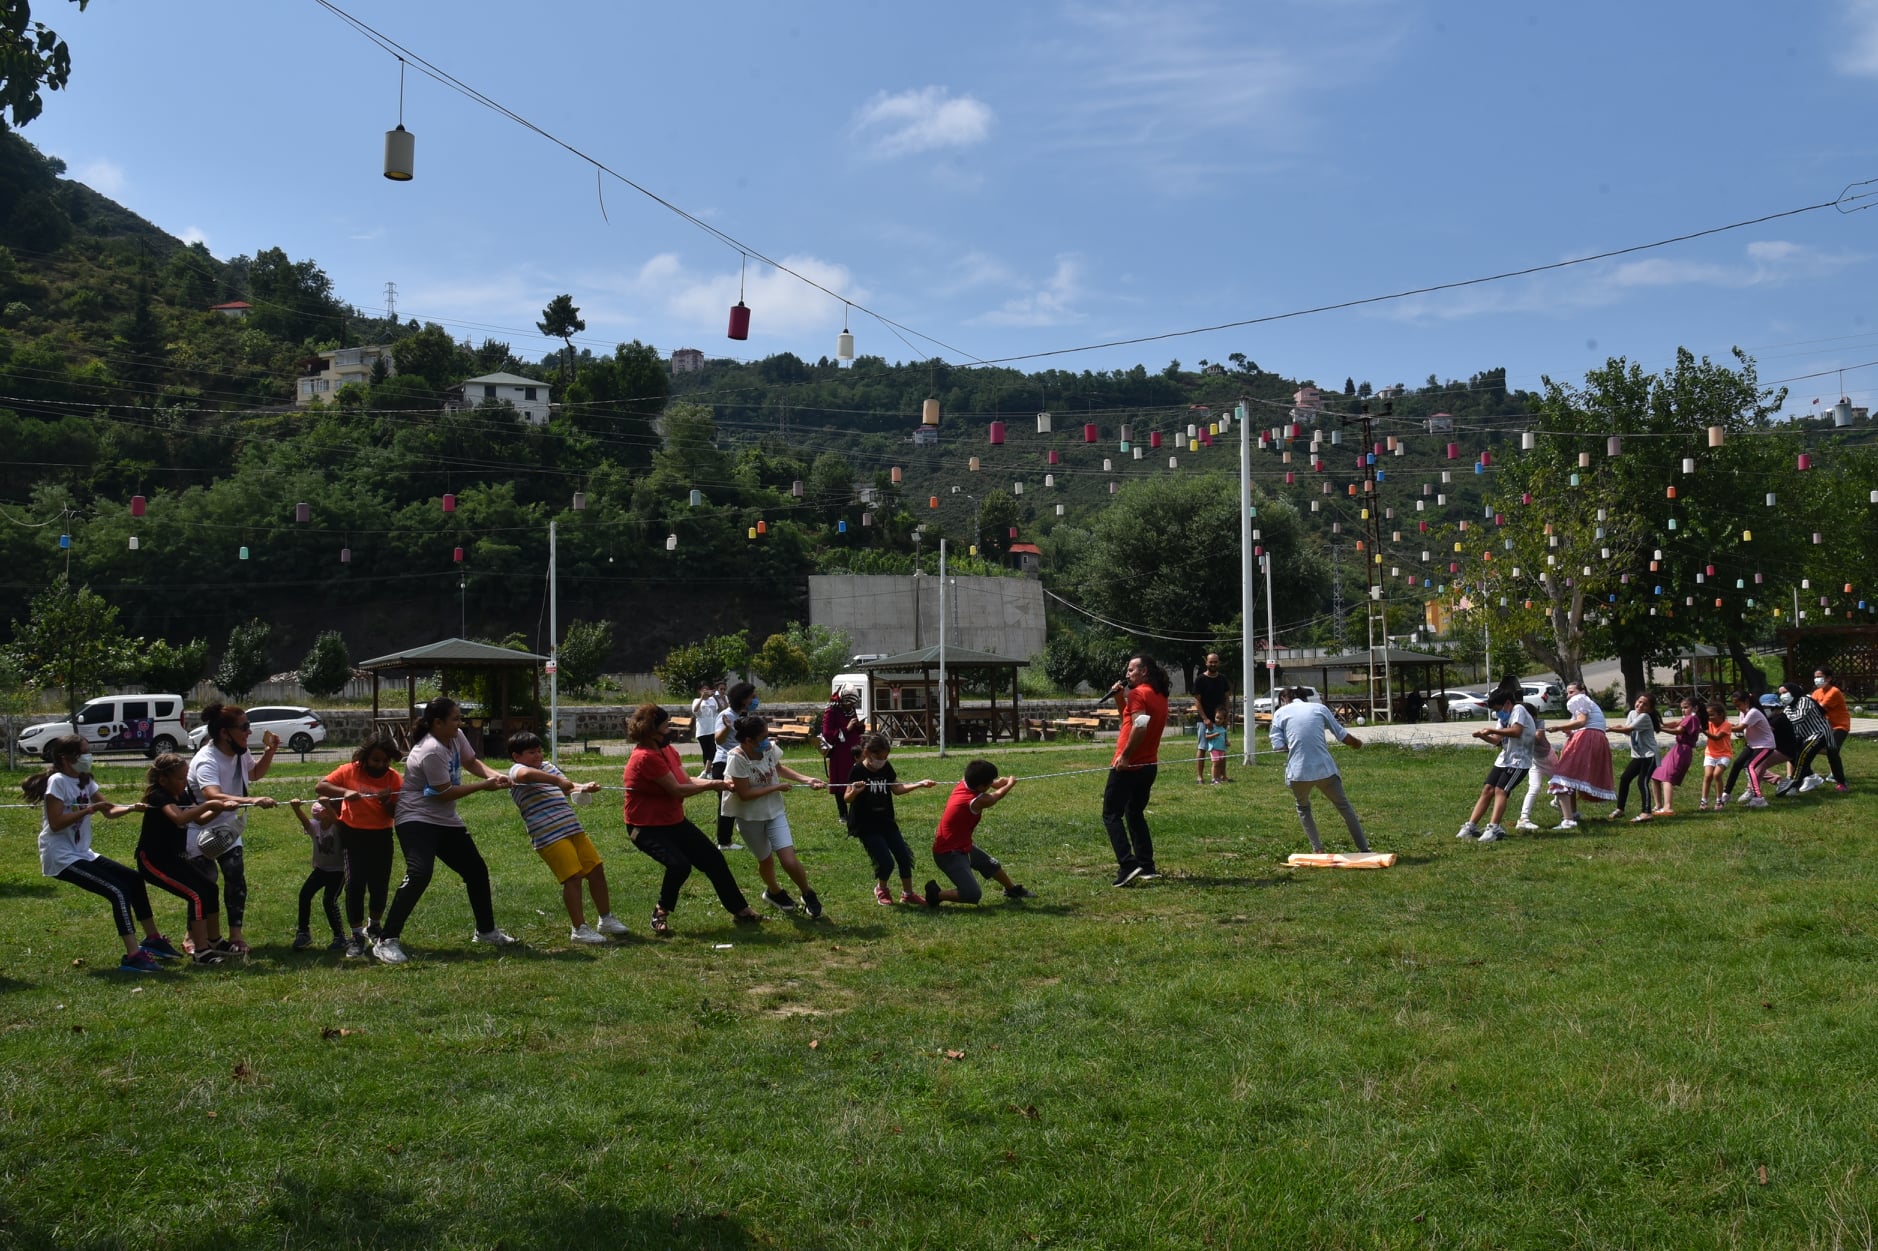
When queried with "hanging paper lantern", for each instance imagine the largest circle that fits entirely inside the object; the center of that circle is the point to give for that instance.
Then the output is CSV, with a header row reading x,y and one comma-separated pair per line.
x,y
449,503
1017,488
933,502
1154,439
1137,452
1112,488
1672,523
762,527
1059,510
1574,478
580,501
753,533
697,497
841,527
456,555
1715,436
867,519
1173,462
1817,538
133,542
1525,497
929,412
795,488
136,505
896,475
1108,466
1526,441
739,321
302,513
1193,445
844,345
345,555
1290,477
997,433
1747,536
972,464
1089,432
671,542
244,551
1671,492
1043,423
65,541
1805,462
1128,435
1049,479
1054,458
1770,499
1454,451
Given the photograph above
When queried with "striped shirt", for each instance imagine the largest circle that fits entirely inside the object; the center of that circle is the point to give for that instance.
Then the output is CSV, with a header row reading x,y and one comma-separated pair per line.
x,y
1808,721
546,811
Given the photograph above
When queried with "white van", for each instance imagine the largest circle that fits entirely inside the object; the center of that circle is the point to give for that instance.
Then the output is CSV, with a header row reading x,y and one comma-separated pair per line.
x,y
863,687
146,724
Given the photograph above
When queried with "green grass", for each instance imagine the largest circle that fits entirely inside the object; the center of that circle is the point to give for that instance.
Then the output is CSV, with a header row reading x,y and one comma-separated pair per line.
x,y
1590,1040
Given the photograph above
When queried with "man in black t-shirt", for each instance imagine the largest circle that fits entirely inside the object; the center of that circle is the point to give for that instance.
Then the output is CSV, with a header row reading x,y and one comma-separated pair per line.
x,y
1212,706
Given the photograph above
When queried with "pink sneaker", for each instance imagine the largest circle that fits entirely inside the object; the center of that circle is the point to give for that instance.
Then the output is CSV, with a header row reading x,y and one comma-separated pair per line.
x,y
909,897
882,895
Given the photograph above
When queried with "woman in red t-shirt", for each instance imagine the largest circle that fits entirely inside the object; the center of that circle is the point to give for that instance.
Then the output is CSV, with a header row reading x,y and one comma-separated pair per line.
x,y
656,790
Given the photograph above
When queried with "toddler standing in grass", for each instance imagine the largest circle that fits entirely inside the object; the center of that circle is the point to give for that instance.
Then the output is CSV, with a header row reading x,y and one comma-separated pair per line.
x,y
328,874
541,792
870,792
953,851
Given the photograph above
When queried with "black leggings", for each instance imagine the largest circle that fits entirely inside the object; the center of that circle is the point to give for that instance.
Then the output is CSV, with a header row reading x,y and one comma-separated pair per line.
x,y
119,885
887,849
1829,745
681,848
368,871
329,880
425,844
176,873
1638,770
1761,758
726,826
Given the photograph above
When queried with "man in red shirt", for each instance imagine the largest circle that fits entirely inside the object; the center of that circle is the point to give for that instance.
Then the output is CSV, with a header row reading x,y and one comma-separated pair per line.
x,y
1141,698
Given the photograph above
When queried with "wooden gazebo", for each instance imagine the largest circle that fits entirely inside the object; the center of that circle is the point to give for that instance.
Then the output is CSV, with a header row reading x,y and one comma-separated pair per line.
x,y
1386,662
488,729
906,695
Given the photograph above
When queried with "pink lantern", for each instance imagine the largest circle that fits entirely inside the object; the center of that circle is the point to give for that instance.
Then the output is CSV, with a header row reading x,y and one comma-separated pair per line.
x,y
1486,458
303,513
1290,477
1154,438
1089,433
136,505
1806,461
1013,531
739,321
345,555
1525,497
449,503
1454,451
1055,459
456,555
997,433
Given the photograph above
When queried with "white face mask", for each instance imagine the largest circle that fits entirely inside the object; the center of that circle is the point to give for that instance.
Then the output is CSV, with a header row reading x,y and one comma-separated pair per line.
x,y
1818,681
83,763
1786,699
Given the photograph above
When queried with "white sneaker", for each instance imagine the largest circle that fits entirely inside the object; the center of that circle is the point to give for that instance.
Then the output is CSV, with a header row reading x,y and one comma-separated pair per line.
x,y
610,924
387,951
1567,825
497,937
1755,802
1469,830
1722,802
585,934
1527,827
1813,782
1492,834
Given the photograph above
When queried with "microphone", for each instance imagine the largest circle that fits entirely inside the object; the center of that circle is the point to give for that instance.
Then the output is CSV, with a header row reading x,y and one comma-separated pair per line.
x,y
1115,690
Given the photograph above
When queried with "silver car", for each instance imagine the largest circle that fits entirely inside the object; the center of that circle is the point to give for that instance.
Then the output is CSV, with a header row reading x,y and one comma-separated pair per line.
x,y
300,729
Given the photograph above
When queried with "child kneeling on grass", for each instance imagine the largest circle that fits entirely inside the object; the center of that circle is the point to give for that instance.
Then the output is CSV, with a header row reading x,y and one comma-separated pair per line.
x,y
953,852
541,792
870,818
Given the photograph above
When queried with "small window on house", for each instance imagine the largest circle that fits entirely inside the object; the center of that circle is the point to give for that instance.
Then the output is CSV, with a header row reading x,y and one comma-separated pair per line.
x,y
528,393
489,390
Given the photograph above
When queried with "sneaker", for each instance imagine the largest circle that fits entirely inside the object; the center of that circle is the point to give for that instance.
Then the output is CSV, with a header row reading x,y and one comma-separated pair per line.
x,y
1469,830
138,962
1756,801
1563,825
612,926
1784,788
779,898
387,951
1126,874
302,940
497,937
812,904
1617,814
1017,891
660,925
161,948
1530,827
914,898
1812,783
932,894
1722,802
339,943
1150,874
585,934
727,848
1701,805
882,895
355,946
209,956
1842,788
1492,834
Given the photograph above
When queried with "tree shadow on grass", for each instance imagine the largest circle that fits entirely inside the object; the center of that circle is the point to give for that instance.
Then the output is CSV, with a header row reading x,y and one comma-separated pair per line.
x,y
10,890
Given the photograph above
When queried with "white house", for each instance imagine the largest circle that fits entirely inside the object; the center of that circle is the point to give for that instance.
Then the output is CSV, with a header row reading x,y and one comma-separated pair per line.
x,y
529,396
331,370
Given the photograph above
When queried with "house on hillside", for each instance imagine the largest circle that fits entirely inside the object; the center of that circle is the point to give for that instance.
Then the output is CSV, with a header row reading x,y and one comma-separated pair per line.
x,y
529,396
1026,558
925,436
234,308
687,361
1441,423
1307,404
321,376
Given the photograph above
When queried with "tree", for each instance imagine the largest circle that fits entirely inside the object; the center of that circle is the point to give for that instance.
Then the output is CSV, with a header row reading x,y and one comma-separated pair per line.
x,y
825,650
617,398
687,667
244,662
561,320
997,517
292,300
71,639
583,652
29,60
327,666
430,354
779,662
174,667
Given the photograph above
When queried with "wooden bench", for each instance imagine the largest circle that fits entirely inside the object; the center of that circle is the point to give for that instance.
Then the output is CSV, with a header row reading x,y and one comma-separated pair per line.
x,y
1086,727
796,730
681,729
1039,730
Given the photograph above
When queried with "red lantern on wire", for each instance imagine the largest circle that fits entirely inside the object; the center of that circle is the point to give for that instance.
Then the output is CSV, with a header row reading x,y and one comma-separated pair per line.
x,y
1089,432
997,433
136,505
740,312
456,555
449,502
1154,438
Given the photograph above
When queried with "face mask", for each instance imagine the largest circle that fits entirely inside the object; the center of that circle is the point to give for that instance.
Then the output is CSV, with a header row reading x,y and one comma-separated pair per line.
x,y
1786,699
754,704
84,762
1819,681
763,748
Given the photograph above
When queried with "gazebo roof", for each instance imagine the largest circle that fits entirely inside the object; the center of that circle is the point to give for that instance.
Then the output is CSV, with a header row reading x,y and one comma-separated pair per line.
x,y
454,652
955,658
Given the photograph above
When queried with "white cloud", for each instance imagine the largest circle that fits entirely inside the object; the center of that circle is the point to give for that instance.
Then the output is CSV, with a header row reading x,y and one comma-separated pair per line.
x,y
104,177
194,234
1051,304
921,120
1857,50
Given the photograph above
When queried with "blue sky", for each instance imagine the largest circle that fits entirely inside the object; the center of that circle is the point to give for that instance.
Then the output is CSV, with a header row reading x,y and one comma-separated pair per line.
x,y
1016,178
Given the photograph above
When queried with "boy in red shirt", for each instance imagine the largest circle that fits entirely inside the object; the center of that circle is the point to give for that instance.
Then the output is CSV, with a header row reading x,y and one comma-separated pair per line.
x,y
1141,698
953,852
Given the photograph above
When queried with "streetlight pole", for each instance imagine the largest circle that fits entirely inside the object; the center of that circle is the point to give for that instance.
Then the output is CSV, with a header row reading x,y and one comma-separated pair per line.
x,y
1248,592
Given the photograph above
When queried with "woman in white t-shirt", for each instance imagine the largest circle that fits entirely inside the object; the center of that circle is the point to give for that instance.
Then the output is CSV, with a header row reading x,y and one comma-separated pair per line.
x,y
1584,766
224,769
758,778
71,799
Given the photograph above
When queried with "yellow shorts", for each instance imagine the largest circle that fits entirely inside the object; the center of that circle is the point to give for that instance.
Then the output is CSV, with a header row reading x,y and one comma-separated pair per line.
x,y
573,856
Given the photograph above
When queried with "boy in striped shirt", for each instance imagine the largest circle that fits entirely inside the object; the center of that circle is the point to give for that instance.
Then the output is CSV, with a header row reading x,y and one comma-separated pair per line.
x,y
541,792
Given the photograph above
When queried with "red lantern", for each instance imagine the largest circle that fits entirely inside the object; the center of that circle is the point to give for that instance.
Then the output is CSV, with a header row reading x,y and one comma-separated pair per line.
x,y
933,502
456,555
1054,458
1806,462
1454,451
997,433
740,321
1013,532
136,505
762,527
449,503
1089,433
1154,438
1486,458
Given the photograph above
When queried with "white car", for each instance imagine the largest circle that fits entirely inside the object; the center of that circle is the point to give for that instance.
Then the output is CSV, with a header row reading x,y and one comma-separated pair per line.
x,y
1264,702
299,729
1460,704
1545,696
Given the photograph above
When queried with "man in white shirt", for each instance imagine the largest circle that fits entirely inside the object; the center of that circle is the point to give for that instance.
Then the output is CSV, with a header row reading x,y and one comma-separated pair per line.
x,y
1298,730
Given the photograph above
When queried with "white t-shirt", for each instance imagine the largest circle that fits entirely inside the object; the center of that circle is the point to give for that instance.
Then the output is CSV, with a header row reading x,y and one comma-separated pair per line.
x,y
210,767
1516,753
728,742
760,772
59,849
1583,704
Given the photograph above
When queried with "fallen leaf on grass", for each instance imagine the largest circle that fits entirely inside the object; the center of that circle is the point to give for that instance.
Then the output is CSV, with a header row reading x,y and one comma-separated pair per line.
x,y
79,963
1762,1173
1028,1111
894,1129
1010,1157
814,1043
211,1114
243,1073
331,1031
954,1055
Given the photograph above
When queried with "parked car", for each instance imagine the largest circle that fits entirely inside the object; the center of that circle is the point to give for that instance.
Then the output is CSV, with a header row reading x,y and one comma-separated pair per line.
x,y
146,724
1264,702
299,729
1460,704
1545,696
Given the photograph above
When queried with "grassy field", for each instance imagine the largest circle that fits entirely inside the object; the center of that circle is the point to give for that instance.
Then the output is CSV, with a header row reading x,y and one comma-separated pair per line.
x,y
1651,1036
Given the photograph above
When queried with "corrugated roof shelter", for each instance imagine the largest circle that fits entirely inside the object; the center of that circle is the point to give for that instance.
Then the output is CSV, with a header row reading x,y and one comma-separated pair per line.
x,y
918,669
457,655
